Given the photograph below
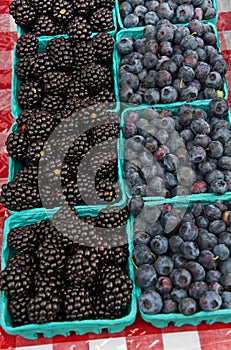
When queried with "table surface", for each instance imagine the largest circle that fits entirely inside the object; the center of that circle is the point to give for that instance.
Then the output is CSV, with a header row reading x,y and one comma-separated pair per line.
x,y
140,335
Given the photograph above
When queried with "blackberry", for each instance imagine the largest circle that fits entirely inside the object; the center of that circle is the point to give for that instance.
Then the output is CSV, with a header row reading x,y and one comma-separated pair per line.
x,y
84,54
79,30
56,82
35,150
23,12
73,104
51,258
103,44
48,284
105,132
81,268
44,309
42,63
27,45
16,278
40,126
43,6
17,306
29,95
103,96
77,304
77,89
16,145
72,193
24,66
110,217
105,3
44,25
23,118
61,53
23,239
83,7
78,149
53,103
96,76
114,289
62,11
101,20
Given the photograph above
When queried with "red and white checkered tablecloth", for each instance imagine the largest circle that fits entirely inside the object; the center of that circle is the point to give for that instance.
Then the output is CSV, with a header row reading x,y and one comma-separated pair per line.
x,y
140,335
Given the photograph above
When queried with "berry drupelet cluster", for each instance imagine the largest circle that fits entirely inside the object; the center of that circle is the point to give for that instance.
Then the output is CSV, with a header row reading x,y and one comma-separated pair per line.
x,y
140,13
77,18
182,258
66,74
54,277
178,153
171,63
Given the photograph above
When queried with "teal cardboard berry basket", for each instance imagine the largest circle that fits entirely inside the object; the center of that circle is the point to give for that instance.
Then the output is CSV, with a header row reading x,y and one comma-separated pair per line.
x,y
32,331
162,320
156,199
120,19
16,82
136,33
113,32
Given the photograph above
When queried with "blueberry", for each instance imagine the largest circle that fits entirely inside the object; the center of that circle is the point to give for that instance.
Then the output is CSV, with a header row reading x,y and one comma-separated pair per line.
x,y
199,187
164,265
185,113
142,255
180,33
140,11
186,73
201,140
151,17
221,66
217,226
201,54
210,39
137,143
150,32
184,13
224,163
169,306
151,44
187,135
151,214
225,266
135,99
151,144
207,166
125,8
188,231
134,65
209,13
225,238
206,259
139,224
165,11
163,78
135,3
129,130
189,42
125,93
222,251
214,80
129,79
222,135
197,271
169,65
225,281
163,285
226,300
202,222
200,126
165,33
135,205
175,243
189,250
170,180
145,276
181,278
207,240
189,93
152,5
156,187
227,148
131,20
178,260
159,244
165,48
213,276
209,93
150,302
197,154
155,229
152,96
202,70
139,45
131,117
188,306
142,237
190,61
149,60
125,45
214,175
210,301
196,26
177,294
150,79
197,289
149,171
197,2
146,158
168,94
219,107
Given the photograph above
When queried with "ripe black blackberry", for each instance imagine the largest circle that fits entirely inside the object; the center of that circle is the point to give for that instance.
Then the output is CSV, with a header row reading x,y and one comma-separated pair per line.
x,y
53,103
79,30
40,126
16,145
105,3
17,306
105,132
72,194
81,146
106,190
23,239
23,118
56,82
16,278
35,150
29,95
77,89
103,44
84,54
48,284
73,106
42,63
51,258
110,217
83,7
24,66
43,6
96,76
27,45
23,12
45,25
102,20
61,53
62,11
77,304
44,309
114,291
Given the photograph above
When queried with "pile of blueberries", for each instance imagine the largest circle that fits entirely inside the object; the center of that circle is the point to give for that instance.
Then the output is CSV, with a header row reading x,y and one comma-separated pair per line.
x,y
136,13
171,63
171,153
182,258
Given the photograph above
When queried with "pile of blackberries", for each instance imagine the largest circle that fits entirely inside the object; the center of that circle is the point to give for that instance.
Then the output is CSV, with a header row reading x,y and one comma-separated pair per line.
x,y
53,277
171,63
178,153
182,258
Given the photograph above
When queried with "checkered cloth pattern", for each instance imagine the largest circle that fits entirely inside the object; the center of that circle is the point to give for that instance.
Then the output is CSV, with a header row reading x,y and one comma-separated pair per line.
x,y
141,335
